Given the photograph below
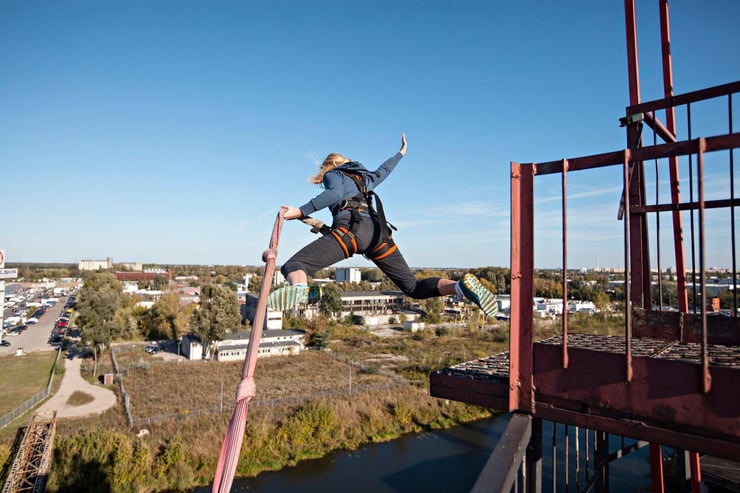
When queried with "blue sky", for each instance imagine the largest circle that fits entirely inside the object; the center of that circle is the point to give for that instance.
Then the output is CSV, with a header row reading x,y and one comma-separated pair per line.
x,y
171,131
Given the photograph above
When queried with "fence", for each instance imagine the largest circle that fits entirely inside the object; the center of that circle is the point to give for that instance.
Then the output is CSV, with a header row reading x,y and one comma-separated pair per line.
x,y
31,403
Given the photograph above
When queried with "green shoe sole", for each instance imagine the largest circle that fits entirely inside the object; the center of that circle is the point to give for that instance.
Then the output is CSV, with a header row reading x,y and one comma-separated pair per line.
x,y
478,294
287,297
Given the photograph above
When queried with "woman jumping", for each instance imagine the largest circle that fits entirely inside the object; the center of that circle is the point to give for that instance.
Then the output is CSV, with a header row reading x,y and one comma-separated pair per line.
x,y
359,226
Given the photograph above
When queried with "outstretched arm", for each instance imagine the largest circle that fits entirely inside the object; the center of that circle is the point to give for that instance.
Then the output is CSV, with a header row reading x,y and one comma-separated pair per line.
x,y
376,177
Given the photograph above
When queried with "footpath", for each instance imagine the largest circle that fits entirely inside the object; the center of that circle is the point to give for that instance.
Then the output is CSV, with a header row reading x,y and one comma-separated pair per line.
x,y
72,381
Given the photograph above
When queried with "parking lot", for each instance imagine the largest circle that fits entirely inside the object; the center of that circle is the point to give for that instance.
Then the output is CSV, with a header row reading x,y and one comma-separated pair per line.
x,y
36,335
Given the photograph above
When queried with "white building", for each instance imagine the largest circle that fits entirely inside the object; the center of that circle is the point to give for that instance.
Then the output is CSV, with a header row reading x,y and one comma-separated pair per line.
x,y
348,274
273,319
191,347
413,326
95,264
548,306
272,343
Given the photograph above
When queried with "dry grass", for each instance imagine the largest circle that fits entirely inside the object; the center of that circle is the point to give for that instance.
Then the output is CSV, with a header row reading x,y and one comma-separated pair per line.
x,y
23,377
79,398
163,388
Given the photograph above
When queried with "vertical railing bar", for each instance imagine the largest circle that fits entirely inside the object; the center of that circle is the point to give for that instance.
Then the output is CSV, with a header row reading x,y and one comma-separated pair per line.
x,y
657,227
523,468
553,459
578,459
565,262
627,265
706,380
586,430
732,211
691,212
566,466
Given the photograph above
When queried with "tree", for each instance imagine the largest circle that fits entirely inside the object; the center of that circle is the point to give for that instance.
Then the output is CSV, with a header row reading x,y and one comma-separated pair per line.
x,y
159,282
128,319
99,300
372,275
432,307
602,302
331,300
317,332
167,318
218,314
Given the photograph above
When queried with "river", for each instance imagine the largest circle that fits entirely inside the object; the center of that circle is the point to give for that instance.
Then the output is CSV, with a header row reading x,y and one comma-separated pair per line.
x,y
446,461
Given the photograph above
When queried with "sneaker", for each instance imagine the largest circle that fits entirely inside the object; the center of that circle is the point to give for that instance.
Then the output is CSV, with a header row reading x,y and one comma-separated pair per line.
x,y
314,295
287,297
478,294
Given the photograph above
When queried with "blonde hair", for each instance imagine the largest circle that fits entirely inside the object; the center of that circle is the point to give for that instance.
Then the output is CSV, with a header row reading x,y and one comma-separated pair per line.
x,y
332,161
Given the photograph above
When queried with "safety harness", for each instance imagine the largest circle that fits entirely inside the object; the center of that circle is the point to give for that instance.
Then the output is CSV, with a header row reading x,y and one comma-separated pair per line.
x,y
363,203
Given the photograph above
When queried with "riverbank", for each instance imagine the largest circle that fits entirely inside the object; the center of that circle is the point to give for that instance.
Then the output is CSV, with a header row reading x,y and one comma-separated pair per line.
x,y
307,406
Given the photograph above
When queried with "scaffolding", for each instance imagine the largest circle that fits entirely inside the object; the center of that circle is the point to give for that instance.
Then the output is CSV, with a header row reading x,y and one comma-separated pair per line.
x,y
30,469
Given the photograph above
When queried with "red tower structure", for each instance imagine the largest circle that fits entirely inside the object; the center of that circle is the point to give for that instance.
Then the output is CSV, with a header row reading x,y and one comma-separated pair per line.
x,y
672,377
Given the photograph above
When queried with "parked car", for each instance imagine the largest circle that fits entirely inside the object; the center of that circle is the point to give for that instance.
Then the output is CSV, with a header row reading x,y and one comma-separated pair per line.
x,y
152,349
4,343
32,320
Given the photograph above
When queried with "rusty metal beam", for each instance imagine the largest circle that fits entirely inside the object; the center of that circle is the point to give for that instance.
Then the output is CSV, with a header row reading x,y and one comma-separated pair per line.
x,y
522,287
678,244
685,98
715,143
564,199
686,206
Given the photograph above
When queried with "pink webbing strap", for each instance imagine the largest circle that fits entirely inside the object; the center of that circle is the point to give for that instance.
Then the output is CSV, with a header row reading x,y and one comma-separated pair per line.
x,y
232,445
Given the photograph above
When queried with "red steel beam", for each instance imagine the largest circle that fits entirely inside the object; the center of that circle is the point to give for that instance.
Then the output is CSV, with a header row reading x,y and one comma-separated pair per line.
x,y
663,392
632,64
565,262
678,245
636,191
521,392
659,151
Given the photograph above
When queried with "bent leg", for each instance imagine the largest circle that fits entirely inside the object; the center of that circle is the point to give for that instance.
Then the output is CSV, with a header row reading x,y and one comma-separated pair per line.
x,y
395,267
317,255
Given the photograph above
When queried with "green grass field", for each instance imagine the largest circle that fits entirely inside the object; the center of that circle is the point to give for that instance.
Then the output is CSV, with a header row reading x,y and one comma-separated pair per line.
x,y
23,377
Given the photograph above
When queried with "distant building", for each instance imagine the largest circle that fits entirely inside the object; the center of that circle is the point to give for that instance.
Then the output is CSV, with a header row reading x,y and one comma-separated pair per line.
x,y
372,302
413,326
191,347
348,274
136,266
548,306
273,319
95,264
147,275
234,346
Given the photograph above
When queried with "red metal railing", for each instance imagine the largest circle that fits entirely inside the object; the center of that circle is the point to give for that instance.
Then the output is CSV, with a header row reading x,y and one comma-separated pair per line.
x,y
636,229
